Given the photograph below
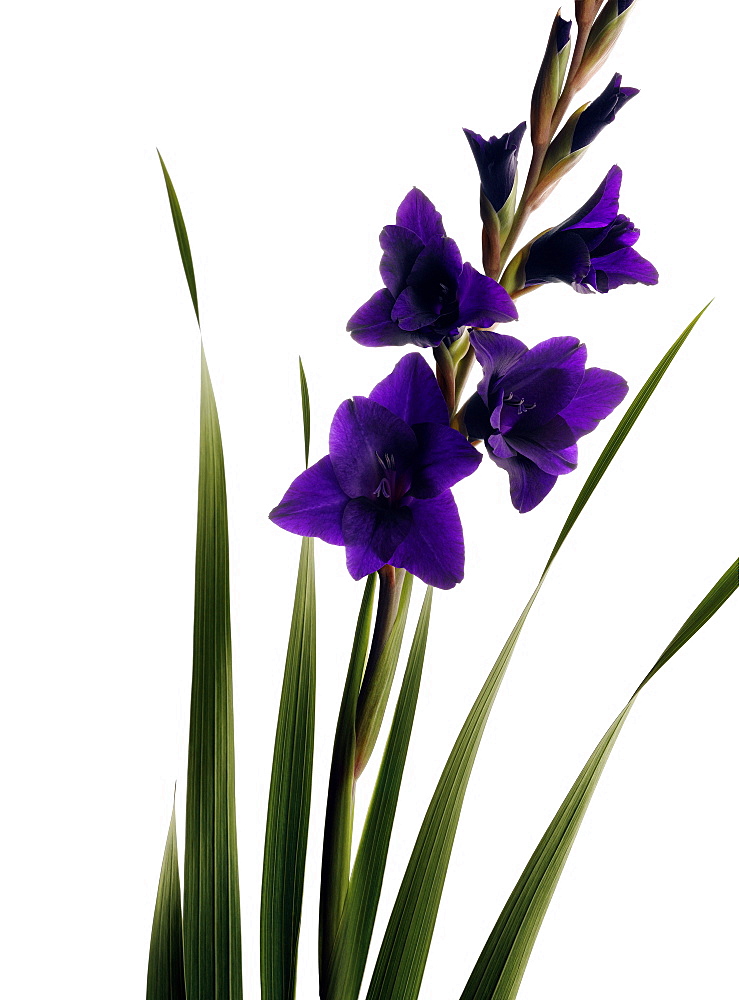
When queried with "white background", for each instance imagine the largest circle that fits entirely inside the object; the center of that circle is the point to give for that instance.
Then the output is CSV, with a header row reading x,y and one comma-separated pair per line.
x,y
291,133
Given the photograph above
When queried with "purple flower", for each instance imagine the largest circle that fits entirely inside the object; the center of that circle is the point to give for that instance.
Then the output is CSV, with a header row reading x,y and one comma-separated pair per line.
x,y
532,406
497,159
428,292
601,112
383,491
593,249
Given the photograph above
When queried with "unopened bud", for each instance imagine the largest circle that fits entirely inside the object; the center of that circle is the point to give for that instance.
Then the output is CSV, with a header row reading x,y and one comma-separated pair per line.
x,y
550,80
579,131
497,164
603,35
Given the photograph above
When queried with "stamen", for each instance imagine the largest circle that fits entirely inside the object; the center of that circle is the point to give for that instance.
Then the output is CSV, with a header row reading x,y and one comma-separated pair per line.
x,y
511,400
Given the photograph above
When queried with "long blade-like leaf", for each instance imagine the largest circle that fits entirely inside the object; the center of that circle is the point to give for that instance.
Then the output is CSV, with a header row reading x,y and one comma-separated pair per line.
x,y
358,916
182,240
288,810
401,962
212,912
286,834
501,965
166,977
211,903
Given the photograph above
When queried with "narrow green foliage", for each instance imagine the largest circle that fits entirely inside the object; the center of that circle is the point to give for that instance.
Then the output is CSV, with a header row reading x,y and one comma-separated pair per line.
x,y
182,240
305,400
211,892
358,917
337,835
401,962
166,977
501,965
288,811
212,914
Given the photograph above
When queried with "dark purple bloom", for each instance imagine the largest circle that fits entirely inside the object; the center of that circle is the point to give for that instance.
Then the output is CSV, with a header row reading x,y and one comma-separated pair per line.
x,y
497,159
601,112
428,292
624,5
383,490
593,250
532,406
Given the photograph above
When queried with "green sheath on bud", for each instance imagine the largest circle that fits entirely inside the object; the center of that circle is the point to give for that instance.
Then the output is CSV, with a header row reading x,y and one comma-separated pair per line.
x,y
550,81
559,159
603,36
513,278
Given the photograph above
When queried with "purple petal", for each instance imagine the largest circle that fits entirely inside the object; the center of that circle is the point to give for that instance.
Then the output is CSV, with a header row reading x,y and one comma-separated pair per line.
x,y
551,449
432,285
477,417
623,267
401,248
444,457
372,534
497,352
433,549
599,394
557,256
621,233
499,447
418,214
483,301
545,378
363,432
412,393
371,324
529,485
601,208
414,310
314,504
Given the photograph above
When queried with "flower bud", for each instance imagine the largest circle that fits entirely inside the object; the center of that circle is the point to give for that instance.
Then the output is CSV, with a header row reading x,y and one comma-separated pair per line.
x,y
497,163
579,131
603,35
549,82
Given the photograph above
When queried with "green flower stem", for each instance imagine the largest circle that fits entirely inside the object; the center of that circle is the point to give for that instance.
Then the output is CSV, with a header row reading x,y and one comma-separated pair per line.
x,y
337,836
379,672
362,709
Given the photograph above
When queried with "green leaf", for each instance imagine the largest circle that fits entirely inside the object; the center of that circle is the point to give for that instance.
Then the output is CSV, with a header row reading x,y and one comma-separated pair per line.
x,y
358,917
337,834
305,400
288,810
166,977
501,965
211,890
401,962
182,240
212,913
